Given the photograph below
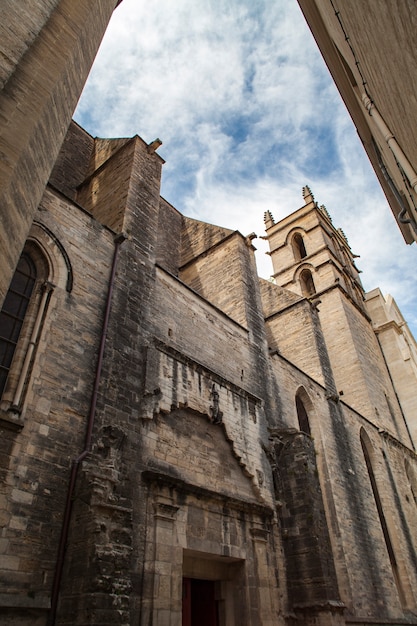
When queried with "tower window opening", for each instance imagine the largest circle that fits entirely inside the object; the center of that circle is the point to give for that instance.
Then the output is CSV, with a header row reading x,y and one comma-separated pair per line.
x,y
307,284
299,248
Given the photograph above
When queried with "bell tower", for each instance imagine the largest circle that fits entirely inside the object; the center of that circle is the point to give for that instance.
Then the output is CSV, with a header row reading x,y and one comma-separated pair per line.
x,y
311,257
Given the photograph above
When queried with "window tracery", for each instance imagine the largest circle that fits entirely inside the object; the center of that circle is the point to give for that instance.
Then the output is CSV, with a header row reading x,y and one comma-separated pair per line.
x,y
21,320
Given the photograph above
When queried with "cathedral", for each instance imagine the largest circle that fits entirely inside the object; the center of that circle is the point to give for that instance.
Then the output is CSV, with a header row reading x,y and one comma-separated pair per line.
x,y
184,443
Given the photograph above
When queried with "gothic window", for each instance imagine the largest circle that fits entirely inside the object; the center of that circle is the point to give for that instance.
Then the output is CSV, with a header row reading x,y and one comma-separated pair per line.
x,y
20,323
303,420
307,284
412,480
298,247
13,313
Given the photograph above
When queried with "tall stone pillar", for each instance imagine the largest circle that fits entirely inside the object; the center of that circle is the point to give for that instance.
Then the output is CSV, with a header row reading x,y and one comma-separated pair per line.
x,y
48,48
166,609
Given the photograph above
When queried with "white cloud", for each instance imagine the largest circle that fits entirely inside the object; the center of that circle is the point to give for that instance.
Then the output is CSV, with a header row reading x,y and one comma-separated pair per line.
x,y
248,115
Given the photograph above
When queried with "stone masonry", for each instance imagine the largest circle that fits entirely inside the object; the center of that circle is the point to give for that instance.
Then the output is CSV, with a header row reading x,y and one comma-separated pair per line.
x,y
183,443
221,448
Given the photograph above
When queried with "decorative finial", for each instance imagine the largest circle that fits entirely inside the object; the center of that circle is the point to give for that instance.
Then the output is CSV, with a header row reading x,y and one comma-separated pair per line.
x,y
326,213
268,219
339,230
307,194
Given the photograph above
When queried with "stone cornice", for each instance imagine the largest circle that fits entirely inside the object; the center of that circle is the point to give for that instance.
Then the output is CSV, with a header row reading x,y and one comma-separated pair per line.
x,y
215,377
180,485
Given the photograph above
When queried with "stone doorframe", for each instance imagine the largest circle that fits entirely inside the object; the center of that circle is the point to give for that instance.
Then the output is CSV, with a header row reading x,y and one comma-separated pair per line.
x,y
242,562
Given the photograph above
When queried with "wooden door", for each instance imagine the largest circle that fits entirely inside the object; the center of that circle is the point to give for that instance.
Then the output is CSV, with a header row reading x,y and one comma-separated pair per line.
x,y
199,606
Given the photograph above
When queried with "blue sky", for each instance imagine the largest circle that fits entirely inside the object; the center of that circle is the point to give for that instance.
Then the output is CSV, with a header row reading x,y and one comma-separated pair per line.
x,y
248,115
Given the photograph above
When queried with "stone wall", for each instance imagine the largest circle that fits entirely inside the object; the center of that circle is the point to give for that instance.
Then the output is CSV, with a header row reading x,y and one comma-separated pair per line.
x,y
358,365
184,478
359,550
37,451
400,352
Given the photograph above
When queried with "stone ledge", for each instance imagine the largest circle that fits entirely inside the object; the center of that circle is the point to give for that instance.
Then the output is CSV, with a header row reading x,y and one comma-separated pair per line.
x,y
11,421
180,485
381,621
175,354
318,607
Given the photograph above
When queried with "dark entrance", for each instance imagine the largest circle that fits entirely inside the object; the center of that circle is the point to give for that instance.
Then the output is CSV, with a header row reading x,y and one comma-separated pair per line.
x,y
199,606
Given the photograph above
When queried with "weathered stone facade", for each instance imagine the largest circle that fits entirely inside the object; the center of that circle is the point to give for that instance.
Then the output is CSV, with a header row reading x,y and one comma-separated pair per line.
x,y
183,443
399,349
194,431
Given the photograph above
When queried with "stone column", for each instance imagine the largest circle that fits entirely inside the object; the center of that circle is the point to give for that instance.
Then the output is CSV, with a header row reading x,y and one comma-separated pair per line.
x,y
266,610
42,76
167,609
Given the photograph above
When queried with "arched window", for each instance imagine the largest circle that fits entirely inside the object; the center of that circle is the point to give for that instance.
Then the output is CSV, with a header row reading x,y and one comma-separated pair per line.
x,y
368,455
302,415
20,323
307,284
13,313
298,247
412,479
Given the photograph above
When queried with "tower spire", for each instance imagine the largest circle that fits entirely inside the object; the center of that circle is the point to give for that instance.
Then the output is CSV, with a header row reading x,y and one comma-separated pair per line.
x,y
307,194
268,219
